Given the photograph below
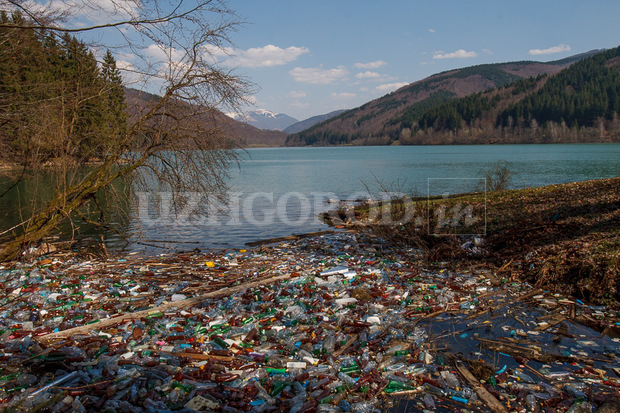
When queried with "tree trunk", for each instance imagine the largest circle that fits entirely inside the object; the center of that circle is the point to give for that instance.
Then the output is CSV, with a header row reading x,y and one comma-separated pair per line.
x,y
60,208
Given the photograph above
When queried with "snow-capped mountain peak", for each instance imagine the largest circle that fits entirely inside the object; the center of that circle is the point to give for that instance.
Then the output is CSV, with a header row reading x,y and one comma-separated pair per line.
x,y
264,119
267,113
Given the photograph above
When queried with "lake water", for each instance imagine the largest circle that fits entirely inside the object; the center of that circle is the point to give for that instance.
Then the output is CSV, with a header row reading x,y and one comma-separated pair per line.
x,y
279,191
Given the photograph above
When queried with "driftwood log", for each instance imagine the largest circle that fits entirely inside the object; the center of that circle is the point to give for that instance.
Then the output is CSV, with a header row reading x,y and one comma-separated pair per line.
x,y
490,400
293,237
177,305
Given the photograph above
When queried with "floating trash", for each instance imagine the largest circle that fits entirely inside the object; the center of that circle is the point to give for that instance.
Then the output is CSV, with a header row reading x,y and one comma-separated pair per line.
x,y
338,322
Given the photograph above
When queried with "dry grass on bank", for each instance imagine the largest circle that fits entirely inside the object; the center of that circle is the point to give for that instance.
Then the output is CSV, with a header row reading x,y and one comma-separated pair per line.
x,y
564,238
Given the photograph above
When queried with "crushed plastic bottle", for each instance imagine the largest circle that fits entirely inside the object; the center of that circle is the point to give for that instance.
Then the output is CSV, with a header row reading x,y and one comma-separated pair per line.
x,y
353,325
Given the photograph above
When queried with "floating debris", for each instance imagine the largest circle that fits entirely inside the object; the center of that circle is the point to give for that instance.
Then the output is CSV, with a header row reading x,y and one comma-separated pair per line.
x,y
336,322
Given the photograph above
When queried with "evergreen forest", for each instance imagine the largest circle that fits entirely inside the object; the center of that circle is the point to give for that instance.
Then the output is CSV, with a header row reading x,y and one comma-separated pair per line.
x,y
580,103
57,101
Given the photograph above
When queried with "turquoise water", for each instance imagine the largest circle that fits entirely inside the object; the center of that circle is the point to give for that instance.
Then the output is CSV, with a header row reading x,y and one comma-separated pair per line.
x,y
345,169
279,191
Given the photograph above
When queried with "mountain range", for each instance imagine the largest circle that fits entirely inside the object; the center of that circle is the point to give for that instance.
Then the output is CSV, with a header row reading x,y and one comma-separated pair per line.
x,y
264,119
308,123
244,133
570,100
268,120
394,118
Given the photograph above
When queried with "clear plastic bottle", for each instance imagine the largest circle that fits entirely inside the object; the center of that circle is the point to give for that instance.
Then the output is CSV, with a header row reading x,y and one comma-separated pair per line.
x,y
584,407
346,379
451,379
63,405
77,406
369,367
362,407
531,404
330,344
263,394
429,402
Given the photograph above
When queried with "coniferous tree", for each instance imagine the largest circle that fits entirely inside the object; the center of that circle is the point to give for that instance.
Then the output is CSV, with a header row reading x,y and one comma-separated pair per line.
x,y
116,120
55,101
58,107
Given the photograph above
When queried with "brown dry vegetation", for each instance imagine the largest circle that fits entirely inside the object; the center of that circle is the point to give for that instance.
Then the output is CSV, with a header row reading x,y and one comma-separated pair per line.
x,y
246,135
565,238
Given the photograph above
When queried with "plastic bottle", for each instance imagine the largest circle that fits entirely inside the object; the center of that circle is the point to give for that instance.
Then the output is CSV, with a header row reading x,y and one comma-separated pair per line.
x,y
263,394
63,405
429,402
531,404
344,406
297,406
362,407
575,392
577,407
523,377
451,379
453,394
346,379
394,386
330,344
429,388
77,406
369,367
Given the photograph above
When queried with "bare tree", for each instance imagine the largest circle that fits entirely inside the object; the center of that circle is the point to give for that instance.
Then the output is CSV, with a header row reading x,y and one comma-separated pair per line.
x,y
176,139
498,176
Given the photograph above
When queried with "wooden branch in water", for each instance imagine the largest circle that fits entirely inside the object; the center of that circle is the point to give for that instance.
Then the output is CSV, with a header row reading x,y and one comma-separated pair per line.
x,y
552,322
494,308
177,305
531,353
482,393
348,344
293,237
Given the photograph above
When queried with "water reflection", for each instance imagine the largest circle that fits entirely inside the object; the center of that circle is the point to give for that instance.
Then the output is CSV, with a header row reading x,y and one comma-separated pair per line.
x,y
279,191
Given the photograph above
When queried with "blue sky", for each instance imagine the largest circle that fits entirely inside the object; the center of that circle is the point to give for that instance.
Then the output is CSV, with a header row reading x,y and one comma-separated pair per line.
x,y
308,58
311,57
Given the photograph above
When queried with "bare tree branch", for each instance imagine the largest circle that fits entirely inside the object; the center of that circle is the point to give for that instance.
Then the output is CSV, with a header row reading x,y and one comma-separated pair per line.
x,y
174,141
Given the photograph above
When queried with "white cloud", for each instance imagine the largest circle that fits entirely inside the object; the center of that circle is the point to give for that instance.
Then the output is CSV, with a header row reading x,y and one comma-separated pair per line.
x,y
219,51
368,75
389,87
370,65
555,49
343,95
266,56
98,12
124,65
163,54
167,60
128,72
296,94
318,75
252,100
459,54
432,30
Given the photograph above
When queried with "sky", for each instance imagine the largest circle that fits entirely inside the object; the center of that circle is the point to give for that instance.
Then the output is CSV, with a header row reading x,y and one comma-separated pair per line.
x,y
308,58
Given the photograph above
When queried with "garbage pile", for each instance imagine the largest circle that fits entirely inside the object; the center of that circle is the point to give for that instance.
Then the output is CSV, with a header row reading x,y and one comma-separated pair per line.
x,y
336,323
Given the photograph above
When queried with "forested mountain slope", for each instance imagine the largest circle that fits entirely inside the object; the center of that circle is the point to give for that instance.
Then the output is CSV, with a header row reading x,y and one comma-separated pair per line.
x,y
446,108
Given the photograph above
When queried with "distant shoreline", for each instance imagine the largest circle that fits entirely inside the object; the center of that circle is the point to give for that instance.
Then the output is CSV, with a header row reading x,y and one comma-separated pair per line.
x,y
437,144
